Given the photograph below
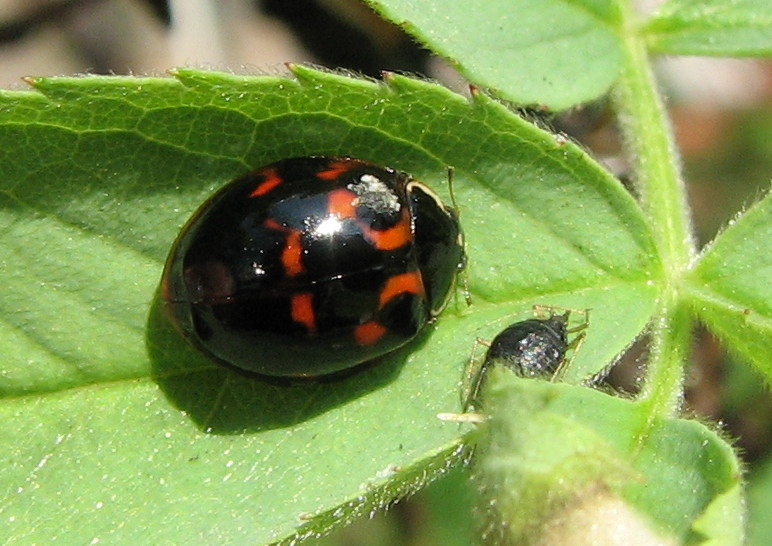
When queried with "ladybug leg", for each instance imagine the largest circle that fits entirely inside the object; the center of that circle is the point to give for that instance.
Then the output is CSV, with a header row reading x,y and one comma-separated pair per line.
x,y
463,276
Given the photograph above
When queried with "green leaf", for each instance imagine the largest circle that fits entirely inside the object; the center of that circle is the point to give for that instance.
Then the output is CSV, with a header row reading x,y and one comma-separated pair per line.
x,y
553,53
116,428
558,461
731,286
726,28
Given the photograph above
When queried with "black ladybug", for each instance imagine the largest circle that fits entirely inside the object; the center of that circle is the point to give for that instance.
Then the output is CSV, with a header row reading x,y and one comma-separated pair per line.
x,y
312,265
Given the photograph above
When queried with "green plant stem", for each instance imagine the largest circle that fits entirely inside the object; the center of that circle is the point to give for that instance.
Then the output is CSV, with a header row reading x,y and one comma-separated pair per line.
x,y
670,344
649,140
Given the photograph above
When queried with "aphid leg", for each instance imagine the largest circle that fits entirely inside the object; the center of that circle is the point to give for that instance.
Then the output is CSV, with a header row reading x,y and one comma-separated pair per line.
x,y
473,376
583,325
549,311
573,346
469,417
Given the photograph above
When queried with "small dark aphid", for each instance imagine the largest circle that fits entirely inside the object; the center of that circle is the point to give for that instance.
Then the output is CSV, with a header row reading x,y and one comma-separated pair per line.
x,y
533,348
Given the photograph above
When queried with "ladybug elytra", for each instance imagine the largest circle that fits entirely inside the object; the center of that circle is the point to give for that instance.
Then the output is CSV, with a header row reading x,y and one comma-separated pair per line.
x,y
312,265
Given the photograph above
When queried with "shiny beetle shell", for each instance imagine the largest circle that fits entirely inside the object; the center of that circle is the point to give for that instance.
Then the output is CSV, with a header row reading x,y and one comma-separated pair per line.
x,y
312,265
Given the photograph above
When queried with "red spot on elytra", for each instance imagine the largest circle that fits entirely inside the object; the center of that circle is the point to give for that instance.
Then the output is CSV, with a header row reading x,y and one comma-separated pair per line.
x,y
272,179
341,203
334,170
292,254
405,283
369,333
303,310
392,238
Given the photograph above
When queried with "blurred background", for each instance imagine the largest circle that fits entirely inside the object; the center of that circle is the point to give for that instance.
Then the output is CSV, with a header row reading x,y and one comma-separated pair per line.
x,y
721,110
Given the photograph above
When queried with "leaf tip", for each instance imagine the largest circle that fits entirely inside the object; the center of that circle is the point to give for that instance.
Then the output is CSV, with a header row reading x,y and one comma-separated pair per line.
x,y
32,81
303,73
478,96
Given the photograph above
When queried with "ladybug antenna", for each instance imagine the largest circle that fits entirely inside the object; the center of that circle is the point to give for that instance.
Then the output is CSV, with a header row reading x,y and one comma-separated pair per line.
x,y
451,191
462,271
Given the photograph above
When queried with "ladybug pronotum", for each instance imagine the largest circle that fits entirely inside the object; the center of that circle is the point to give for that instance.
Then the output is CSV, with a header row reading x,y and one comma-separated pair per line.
x,y
312,265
